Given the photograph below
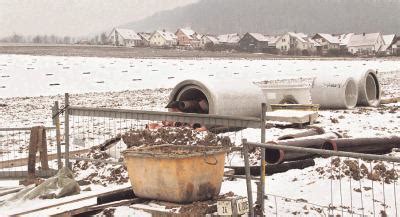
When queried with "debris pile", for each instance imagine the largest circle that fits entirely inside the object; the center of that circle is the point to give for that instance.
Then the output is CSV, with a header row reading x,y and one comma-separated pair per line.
x,y
175,136
357,170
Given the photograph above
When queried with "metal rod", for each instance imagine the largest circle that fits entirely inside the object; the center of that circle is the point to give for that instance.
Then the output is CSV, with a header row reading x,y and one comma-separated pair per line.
x,y
66,129
248,176
58,135
223,120
326,152
262,172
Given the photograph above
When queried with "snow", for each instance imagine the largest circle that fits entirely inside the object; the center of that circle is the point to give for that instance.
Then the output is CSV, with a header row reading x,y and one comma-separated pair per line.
x,y
79,75
39,75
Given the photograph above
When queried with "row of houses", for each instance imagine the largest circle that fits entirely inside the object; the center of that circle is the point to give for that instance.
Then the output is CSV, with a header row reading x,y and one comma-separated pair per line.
x,y
293,43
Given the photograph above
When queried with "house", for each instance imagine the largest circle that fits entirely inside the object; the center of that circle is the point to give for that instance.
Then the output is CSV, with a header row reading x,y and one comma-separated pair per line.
x,y
124,37
208,41
145,36
365,44
188,38
229,40
344,40
326,42
396,46
296,43
253,42
272,39
387,47
162,38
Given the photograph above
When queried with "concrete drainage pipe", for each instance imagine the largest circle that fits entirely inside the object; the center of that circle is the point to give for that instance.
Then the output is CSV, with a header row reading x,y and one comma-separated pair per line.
x,y
369,89
334,92
224,97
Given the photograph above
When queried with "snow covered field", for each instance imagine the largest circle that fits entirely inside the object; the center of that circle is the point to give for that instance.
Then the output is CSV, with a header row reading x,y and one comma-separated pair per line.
x,y
22,75
29,86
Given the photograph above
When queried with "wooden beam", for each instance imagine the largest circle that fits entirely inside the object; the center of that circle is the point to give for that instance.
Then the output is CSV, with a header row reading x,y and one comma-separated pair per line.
x,y
24,174
24,161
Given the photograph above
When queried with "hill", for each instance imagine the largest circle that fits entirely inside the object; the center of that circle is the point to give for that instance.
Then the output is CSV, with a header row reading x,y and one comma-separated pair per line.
x,y
277,16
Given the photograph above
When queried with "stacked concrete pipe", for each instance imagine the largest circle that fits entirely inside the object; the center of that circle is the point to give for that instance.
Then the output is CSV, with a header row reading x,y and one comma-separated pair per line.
x,y
224,97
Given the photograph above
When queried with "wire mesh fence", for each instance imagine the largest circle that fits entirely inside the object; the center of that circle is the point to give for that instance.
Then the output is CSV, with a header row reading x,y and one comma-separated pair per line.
x,y
344,184
14,152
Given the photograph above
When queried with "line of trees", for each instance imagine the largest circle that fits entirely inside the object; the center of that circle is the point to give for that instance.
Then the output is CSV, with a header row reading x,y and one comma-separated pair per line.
x,y
100,39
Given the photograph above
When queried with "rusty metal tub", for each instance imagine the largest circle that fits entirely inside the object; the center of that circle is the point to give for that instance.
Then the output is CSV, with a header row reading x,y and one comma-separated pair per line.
x,y
173,173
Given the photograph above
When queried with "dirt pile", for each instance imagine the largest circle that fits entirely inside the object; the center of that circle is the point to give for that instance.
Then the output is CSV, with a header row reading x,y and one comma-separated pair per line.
x,y
173,136
99,172
357,170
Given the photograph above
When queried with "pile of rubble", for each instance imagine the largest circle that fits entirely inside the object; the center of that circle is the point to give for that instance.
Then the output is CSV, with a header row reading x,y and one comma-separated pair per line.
x,y
357,170
175,136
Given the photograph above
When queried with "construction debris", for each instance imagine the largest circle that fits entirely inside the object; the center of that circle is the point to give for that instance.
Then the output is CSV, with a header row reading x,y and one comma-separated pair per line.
x,y
61,185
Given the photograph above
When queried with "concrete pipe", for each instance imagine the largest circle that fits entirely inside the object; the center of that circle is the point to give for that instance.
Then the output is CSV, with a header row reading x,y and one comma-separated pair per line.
x,y
334,92
224,97
369,89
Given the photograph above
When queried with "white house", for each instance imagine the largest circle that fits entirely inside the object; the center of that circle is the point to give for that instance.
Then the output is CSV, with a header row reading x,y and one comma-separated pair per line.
x,y
292,41
124,37
326,42
365,43
162,38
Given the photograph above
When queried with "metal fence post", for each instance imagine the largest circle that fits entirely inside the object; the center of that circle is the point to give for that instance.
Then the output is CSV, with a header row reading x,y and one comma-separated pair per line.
x,y
66,130
248,176
56,118
262,164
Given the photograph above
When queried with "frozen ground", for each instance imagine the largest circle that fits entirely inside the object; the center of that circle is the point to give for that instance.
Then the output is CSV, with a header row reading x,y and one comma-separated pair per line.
x,y
22,105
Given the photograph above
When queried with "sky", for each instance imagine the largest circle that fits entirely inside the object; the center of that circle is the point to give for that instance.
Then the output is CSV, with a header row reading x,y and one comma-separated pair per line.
x,y
75,17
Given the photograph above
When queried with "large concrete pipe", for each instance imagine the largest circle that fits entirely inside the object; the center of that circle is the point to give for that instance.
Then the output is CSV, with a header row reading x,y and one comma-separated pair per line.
x,y
369,89
334,92
224,97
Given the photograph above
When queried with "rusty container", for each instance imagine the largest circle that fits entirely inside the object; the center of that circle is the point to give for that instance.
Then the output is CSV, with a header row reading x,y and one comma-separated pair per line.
x,y
173,173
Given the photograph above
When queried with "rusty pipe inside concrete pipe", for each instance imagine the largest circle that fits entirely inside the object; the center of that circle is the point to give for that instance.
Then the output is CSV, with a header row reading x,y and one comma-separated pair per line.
x,y
232,97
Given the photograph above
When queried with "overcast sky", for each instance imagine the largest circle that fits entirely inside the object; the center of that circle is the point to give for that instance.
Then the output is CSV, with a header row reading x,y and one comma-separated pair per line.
x,y
75,17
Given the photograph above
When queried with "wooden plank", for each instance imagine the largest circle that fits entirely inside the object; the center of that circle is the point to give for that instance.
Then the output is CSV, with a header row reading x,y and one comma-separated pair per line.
x,y
24,174
10,190
302,107
24,161
92,208
74,198
390,100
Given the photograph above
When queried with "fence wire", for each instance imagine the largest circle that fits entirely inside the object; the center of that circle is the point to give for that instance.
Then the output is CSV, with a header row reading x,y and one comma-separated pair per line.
x,y
14,151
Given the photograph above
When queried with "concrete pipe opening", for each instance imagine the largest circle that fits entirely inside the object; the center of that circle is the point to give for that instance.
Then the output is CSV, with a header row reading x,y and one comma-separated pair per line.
x,y
219,97
351,94
369,90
